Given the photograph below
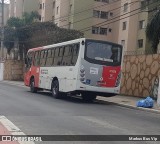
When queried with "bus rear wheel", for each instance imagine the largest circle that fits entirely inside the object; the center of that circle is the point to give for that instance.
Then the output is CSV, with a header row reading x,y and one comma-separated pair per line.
x,y
33,89
87,97
55,89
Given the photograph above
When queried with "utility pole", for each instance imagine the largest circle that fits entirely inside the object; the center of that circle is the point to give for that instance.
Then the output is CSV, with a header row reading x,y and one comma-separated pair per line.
x,y
2,31
2,41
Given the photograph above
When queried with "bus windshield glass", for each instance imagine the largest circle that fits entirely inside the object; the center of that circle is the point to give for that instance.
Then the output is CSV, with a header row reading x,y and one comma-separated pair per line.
x,y
103,53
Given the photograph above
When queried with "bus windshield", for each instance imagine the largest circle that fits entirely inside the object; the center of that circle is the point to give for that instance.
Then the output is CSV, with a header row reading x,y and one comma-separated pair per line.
x,y
103,53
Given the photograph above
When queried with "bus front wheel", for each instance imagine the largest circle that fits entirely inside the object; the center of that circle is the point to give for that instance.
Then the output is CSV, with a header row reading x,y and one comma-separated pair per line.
x,y
32,86
87,97
55,89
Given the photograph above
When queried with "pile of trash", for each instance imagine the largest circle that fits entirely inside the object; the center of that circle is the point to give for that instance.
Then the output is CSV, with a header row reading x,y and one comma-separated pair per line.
x,y
146,103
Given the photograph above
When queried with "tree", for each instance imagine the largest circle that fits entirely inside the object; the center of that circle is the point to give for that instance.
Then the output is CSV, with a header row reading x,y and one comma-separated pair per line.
x,y
12,34
153,31
30,33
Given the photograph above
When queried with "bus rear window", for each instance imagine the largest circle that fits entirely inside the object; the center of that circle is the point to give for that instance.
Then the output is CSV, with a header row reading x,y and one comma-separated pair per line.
x,y
103,53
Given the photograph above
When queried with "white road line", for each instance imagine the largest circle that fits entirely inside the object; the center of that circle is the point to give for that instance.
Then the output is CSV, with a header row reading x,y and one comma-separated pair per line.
x,y
14,130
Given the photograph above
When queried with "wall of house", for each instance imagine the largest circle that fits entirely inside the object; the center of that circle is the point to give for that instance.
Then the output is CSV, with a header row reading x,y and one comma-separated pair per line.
x,y
140,74
13,70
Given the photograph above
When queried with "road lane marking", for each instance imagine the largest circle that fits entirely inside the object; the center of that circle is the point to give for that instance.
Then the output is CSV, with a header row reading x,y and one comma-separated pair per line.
x,y
12,129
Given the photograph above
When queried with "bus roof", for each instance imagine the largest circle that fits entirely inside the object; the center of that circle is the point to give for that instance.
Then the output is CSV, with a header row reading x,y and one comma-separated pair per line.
x,y
66,43
58,44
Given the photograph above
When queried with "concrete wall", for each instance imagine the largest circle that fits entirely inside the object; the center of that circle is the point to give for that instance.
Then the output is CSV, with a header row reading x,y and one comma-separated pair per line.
x,y
13,70
140,74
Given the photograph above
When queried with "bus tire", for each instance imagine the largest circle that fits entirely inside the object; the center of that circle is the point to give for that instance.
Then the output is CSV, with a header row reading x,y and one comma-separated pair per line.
x,y
55,89
33,89
88,97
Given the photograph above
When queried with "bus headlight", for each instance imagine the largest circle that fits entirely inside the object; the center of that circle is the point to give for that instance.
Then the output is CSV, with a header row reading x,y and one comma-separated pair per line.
x,y
118,80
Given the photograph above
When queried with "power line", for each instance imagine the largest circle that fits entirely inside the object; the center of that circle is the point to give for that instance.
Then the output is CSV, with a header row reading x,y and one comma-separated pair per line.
x,y
84,10
102,22
116,17
93,16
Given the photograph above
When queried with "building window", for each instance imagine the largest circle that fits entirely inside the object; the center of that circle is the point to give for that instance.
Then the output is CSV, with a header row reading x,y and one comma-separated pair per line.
x,y
57,9
53,5
69,25
53,18
70,8
103,31
95,30
141,24
106,1
111,14
140,43
110,30
96,13
43,5
124,26
104,15
123,43
125,7
40,6
143,5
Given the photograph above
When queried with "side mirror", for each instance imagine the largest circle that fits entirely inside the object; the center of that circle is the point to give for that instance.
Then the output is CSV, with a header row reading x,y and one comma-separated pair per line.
x,y
83,43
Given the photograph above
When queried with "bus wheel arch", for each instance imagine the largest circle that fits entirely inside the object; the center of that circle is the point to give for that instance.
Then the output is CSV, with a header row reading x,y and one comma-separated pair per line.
x,y
55,88
33,89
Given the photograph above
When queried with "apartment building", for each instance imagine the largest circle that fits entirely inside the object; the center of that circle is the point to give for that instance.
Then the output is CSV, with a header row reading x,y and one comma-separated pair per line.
x,y
147,10
18,7
120,21
6,13
89,16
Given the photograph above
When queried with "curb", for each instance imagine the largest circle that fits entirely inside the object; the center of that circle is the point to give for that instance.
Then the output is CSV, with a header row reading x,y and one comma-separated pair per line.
x,y
13,83
132,107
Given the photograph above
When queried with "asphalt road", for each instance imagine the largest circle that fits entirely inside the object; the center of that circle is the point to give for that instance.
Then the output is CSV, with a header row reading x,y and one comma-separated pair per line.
x,y
40,114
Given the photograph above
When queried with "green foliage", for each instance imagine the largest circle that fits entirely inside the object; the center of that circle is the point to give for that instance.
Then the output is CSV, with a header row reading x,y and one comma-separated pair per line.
x,y
32,34
29,18
153,31
15,22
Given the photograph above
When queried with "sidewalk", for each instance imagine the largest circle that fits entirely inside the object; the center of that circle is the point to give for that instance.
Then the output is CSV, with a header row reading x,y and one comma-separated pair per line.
x,y
125,101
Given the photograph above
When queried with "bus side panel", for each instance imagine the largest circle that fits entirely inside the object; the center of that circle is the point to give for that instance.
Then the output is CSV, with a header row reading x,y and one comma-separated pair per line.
x,y
65,75
35,73
99,75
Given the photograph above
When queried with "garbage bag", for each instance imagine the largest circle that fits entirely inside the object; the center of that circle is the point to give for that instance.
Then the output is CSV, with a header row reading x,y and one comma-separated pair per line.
x,y
140,103
146,103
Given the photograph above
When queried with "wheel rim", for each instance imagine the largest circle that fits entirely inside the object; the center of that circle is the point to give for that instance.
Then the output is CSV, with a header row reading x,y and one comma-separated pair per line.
x,y
32,85
55,89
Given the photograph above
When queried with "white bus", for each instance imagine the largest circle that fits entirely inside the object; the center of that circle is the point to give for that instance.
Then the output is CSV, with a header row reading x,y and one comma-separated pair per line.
x,y
84,67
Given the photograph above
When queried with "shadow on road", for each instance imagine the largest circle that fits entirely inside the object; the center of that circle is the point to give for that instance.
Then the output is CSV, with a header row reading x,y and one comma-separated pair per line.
x,y
74,99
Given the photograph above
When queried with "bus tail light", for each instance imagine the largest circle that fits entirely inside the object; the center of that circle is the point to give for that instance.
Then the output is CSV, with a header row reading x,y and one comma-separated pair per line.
x,y
82,74
118,80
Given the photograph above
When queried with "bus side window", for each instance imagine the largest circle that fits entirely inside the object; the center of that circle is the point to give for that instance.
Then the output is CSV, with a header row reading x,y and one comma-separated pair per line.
x,y
53,55
49,58
60,56
56,56
41,58
36,58
45,57
30,59
75,53
67,56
